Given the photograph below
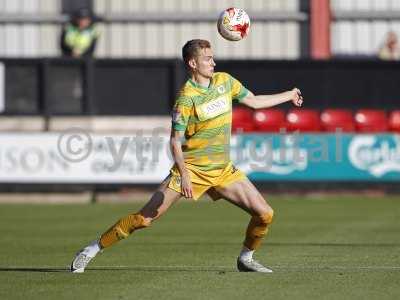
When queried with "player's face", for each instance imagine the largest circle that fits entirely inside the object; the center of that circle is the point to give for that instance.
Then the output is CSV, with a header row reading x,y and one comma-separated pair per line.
x,y
204,63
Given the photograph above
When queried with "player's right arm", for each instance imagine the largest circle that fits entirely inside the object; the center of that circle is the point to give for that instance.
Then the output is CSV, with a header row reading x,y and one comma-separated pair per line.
x,y
176,149
180,117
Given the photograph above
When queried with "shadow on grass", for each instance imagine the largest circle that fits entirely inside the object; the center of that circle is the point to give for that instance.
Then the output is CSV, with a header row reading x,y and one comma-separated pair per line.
x,y
195,269
35,269
218,270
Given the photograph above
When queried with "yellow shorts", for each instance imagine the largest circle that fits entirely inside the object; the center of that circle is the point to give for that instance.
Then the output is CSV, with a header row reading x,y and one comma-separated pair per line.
x,y
203,181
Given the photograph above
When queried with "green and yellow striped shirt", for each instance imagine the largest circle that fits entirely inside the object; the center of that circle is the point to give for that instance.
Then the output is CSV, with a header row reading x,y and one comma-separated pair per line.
x,y
205,114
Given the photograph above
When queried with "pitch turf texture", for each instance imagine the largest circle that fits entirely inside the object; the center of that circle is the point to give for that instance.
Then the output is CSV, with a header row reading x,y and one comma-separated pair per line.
x,y
319,248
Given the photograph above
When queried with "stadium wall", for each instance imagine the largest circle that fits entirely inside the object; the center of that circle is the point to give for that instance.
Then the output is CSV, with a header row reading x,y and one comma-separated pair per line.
x,y
148,87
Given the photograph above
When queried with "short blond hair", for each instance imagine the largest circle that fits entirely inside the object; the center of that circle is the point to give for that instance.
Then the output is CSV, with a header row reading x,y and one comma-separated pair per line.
x,y
192,48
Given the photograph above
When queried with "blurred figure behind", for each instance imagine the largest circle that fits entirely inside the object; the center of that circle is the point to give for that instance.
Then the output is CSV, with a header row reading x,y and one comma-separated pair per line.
x,y
390,49
79,36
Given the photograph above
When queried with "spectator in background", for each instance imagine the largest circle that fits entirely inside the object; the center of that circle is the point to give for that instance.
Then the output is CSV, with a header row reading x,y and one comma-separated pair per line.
x,y
390,49
79,36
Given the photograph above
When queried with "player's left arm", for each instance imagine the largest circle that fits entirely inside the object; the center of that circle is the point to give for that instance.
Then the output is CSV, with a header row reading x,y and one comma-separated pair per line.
x,y
266,101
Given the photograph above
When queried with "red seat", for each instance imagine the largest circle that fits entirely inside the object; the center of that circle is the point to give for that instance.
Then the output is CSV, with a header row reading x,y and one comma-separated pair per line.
x,y
269,120
337,119
242,119
394,121
371,120
307,120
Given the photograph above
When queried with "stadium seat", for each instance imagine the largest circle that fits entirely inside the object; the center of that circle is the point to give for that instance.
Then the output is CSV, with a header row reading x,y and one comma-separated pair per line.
x,y
337,119
242,119
306,120
371,120
394,121
269,120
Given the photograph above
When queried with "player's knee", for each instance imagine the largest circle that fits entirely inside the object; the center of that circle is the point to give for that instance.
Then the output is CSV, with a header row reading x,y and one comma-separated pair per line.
x,y
267,217
259,223
258,228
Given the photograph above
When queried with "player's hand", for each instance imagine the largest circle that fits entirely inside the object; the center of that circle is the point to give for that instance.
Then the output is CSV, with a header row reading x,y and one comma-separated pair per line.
x,y
297,98
186,186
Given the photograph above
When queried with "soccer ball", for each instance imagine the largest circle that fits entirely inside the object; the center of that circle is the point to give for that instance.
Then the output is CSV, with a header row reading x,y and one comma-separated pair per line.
x,y
233,24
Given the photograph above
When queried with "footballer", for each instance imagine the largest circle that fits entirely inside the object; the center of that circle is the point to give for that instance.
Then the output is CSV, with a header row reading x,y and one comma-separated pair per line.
x,y
200,139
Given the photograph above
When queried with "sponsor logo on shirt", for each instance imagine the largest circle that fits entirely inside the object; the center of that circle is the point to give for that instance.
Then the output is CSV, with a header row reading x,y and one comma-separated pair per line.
x,y
214,108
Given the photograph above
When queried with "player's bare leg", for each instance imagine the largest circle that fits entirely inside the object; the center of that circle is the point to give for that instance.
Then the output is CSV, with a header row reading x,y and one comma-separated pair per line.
x,y
159,203
245,195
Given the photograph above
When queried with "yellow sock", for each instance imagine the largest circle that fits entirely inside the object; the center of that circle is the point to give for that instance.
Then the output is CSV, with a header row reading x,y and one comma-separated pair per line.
x,y
122,229
256,230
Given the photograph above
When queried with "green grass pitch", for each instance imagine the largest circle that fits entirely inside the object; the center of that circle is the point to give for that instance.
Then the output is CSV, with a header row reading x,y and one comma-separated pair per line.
x,y
319,248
